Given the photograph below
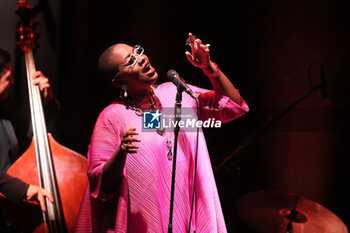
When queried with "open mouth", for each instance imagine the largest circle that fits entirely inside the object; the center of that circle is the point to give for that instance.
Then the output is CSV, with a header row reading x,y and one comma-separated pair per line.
x,y
148,69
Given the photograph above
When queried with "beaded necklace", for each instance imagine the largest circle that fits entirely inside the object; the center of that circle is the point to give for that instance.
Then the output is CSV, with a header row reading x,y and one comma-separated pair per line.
x,y
139,111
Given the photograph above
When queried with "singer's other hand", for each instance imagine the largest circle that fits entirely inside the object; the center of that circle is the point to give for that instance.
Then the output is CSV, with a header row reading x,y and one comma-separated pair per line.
x,y
127,140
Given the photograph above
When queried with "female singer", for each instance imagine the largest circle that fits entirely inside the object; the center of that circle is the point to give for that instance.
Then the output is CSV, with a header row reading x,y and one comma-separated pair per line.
x,y
130,169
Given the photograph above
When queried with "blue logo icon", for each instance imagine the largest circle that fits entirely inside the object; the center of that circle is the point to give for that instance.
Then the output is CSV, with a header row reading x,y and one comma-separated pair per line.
x,y
151,120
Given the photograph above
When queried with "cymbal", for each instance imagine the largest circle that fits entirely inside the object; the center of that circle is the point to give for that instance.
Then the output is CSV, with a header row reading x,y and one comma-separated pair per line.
x,y
271,212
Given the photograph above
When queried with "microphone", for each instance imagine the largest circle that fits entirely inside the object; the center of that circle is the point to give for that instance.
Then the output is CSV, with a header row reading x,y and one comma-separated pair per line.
x,y
323,82
174,77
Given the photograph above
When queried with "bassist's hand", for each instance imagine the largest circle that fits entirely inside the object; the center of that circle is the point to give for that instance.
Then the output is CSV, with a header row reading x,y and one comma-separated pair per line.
x,y
44,84
35,193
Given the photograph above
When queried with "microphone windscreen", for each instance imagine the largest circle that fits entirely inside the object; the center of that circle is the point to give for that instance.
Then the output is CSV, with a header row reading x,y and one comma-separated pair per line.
x,y
171,75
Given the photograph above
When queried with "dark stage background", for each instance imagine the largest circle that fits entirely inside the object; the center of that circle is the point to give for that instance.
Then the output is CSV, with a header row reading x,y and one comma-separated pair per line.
x,y
267,49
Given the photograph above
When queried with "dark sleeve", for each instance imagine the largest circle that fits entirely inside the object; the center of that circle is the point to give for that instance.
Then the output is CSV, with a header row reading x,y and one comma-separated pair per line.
x,y
51,109
13,188
52,106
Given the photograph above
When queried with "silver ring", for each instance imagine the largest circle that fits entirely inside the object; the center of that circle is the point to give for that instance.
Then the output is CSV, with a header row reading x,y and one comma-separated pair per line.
x,y
124,135
123,147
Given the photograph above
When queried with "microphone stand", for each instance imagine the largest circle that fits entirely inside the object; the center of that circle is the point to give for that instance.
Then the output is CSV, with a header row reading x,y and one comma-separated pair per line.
x,y
176,132
292,217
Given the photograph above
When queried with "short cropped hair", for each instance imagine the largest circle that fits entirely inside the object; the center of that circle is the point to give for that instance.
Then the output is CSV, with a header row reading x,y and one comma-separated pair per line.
x,y
106,64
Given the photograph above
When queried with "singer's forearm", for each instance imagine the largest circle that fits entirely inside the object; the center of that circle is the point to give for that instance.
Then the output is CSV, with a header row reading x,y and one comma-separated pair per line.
x,y
112,171
221,83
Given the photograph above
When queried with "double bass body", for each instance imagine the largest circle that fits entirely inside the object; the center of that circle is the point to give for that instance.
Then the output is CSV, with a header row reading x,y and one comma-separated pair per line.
x,y
70,168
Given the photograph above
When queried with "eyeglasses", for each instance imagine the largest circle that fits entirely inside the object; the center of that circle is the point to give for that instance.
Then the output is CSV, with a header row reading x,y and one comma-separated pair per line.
x,y
132,58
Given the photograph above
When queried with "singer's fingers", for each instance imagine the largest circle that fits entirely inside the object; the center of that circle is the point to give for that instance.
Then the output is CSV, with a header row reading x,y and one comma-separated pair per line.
x,y
205,48
202,49
130,132
191,37
130,139
198,42
195,46
132,129
127,137
191,58
129,148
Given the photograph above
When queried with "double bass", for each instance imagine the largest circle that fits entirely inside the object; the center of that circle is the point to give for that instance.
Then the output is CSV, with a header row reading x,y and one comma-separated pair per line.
x,y
45,163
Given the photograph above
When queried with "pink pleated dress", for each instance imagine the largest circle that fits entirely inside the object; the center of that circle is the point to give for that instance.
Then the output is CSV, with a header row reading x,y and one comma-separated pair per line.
x,y
141,203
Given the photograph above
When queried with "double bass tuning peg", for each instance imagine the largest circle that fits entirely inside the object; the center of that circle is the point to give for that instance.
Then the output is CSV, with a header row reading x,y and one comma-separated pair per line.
x,y
23,8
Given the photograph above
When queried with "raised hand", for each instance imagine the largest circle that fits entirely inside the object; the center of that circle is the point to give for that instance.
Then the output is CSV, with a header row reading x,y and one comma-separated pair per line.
x,y
200,54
